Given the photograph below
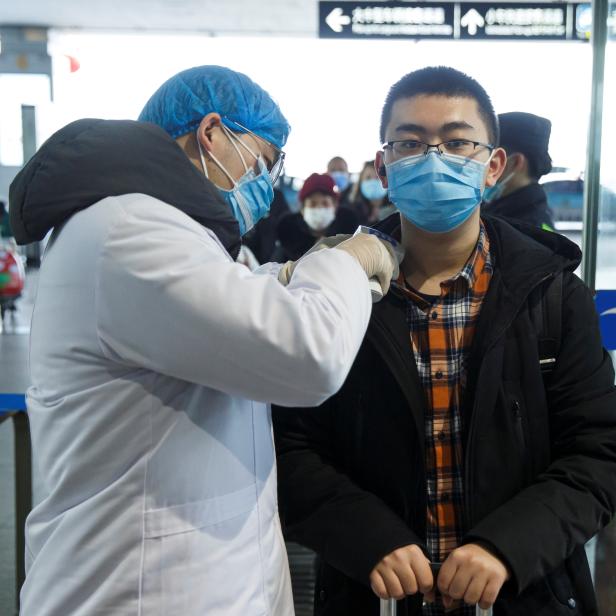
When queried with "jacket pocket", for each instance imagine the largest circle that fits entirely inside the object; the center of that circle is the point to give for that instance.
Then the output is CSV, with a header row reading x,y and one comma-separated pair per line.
x,y
203,558
562,589
549,596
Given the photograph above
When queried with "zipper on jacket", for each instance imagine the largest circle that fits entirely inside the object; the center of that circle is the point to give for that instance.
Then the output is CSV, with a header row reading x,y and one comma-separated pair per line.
x,y
519,424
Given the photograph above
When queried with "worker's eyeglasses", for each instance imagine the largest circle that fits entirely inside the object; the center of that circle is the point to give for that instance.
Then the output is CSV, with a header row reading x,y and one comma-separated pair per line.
x,y
412,147
276,167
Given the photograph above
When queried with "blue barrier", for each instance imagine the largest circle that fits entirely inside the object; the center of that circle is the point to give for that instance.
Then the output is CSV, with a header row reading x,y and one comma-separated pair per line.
x,y
12,402
13,407
606,307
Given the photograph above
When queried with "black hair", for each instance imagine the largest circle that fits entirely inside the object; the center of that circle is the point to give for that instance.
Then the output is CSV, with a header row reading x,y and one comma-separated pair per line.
x,y
445,81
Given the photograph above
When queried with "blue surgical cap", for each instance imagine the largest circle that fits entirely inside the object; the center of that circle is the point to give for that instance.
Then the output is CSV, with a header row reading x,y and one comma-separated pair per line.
x,y
180,104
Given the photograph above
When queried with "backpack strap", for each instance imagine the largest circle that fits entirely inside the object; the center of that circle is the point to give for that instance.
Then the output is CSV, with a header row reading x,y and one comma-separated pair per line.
x,y
546,315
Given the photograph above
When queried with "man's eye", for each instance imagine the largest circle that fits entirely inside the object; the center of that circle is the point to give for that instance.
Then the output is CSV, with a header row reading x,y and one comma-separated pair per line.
x,y
410,145
458,143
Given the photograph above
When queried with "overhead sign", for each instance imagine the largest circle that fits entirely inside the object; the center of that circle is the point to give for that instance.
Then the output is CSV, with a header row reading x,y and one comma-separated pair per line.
x,y
557,21
514,21
385,20
583,21
606,307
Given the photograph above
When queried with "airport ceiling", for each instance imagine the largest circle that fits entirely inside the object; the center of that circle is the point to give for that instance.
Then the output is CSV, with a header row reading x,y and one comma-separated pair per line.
x,y
246,17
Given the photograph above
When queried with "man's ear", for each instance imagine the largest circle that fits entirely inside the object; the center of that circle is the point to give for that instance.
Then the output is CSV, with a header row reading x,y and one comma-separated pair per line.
x,y
496,166
206,130
379,166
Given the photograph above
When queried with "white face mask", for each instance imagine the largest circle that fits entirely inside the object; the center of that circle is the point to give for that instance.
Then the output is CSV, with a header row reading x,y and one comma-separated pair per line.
x,y
319,218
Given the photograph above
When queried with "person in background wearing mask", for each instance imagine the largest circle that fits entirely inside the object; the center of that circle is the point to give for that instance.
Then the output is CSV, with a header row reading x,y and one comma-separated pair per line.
x,y
154,355
368,197
339,170
518,195
449,443
319,216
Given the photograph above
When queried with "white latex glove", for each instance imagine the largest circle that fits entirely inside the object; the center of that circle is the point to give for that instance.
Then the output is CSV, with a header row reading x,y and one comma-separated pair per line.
x,y
376,257
286,271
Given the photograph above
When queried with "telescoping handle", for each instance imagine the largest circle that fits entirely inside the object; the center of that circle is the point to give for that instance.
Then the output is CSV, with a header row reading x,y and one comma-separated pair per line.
x,y
389,608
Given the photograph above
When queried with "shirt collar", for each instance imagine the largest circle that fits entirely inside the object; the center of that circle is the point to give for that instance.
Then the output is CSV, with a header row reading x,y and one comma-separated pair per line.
x,y
476,263
478,259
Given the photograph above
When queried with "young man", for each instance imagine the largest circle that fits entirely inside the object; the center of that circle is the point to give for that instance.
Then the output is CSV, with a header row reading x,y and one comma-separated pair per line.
x,y
154,355
447,444
518,195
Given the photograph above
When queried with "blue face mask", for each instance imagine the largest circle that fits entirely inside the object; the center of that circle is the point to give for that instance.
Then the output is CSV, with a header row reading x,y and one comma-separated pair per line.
x,y
493,193
436,192
252,195
372,189
341,179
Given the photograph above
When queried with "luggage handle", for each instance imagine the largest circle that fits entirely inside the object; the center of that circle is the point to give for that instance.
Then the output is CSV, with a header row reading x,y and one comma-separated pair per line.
x,y
389,607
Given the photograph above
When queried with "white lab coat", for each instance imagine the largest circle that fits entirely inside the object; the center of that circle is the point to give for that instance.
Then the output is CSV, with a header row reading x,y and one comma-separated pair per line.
x,y
153,359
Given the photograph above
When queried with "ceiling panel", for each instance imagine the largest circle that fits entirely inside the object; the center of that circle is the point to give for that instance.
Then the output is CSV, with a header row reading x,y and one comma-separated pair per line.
x,y
278,17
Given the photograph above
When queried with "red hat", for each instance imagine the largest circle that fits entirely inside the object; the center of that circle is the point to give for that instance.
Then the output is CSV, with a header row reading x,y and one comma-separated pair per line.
x,y
319,182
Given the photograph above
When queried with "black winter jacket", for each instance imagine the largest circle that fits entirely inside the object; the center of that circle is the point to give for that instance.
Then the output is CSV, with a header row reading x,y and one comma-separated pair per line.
x,y
528,204
296,237
540,460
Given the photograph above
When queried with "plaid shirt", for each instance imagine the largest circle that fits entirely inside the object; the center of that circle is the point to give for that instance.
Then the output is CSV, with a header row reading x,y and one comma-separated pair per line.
x,y
441,334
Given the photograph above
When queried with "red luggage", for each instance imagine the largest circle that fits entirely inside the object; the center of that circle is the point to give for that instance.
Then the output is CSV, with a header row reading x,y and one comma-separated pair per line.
x,y
12,278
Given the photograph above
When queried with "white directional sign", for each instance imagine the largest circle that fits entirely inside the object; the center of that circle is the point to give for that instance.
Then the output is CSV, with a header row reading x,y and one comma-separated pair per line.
x,y
385,20
558,21
509,20
337,19
472,21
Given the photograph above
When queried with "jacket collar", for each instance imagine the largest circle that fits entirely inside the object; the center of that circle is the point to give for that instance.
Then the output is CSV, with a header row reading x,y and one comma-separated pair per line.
x,y
528,203
522,254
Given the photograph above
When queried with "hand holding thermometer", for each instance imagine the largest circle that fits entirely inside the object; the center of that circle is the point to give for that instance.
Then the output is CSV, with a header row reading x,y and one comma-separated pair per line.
x,y
397,250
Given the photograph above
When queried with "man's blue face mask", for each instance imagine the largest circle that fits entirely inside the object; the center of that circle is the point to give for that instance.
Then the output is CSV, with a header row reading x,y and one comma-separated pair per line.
x,y
436,192
494,193
341,179
252,195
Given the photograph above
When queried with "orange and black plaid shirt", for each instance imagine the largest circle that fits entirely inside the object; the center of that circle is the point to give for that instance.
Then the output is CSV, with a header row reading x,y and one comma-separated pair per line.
x,y
441,333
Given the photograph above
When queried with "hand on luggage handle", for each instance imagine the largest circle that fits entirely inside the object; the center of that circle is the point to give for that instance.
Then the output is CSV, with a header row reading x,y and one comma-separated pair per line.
x,y
389,606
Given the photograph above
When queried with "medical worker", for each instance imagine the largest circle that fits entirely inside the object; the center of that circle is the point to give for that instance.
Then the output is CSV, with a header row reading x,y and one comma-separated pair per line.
x,y
154,355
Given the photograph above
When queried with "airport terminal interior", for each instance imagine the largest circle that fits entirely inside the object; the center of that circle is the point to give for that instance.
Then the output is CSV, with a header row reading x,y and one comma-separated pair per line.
x,y
328,65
